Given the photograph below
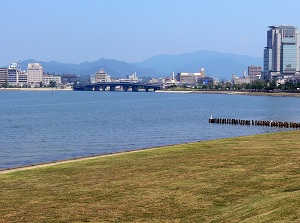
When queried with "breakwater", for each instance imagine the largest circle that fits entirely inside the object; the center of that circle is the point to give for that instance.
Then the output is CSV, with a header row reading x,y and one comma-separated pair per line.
x,y
271,123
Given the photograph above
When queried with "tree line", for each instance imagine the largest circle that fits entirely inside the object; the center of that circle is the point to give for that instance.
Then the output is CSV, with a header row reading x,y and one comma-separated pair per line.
x,y
257,85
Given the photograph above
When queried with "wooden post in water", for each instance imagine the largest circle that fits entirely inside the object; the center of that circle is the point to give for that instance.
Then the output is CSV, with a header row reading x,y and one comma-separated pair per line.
x,y
210,118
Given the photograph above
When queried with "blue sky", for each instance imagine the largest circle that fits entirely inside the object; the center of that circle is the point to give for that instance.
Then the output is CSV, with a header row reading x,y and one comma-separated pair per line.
x,y
74,31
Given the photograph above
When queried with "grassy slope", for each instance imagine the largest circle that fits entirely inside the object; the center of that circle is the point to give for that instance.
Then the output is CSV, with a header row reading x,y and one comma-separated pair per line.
x,y
244,179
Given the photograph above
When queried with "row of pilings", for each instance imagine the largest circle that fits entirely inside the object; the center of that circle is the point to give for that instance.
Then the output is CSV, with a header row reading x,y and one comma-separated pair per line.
x,y
255,123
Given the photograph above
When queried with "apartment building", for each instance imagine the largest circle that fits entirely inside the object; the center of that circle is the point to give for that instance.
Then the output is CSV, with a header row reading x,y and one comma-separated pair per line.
x,y
254,72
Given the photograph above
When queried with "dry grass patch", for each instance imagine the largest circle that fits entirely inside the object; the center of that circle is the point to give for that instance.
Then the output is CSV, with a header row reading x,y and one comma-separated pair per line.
x,y
244,179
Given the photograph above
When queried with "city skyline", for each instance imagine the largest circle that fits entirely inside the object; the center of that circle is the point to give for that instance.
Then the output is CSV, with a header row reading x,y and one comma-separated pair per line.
x,y
77,31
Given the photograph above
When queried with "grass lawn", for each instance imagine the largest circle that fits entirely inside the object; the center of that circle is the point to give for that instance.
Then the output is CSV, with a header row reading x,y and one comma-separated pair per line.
x,y
244,179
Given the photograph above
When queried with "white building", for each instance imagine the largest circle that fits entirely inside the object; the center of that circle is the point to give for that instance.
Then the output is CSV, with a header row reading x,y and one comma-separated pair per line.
x,y
170,81
34,73
190,78
100,76
130,79
16,77
49,77
245,79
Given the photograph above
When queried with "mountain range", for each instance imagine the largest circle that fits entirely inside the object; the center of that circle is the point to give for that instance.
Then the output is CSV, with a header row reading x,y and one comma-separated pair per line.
x,y
220,65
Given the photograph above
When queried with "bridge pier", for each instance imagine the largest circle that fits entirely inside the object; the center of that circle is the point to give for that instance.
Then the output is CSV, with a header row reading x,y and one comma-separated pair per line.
x,y
97,88
88,88
135,88
112,88
125,88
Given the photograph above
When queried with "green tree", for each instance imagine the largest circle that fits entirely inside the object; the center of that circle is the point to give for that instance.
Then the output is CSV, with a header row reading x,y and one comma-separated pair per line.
x,y
271,85
52,84
228,85
257,85
290,86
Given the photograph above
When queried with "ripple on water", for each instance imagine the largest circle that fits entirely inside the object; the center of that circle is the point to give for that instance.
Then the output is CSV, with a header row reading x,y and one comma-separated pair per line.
x,y
39,127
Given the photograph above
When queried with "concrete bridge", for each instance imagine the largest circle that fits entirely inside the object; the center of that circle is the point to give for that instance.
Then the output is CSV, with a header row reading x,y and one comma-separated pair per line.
x,y
112,86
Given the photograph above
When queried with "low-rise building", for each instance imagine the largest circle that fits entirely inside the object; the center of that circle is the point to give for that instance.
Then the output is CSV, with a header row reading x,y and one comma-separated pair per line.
x,y
157,81
69,78
170,81
130,79
245,79
190,78
295,79
47,78
208,81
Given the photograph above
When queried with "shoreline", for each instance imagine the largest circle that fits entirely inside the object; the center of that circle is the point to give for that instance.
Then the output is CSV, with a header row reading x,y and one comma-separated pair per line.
x,y
246,93
82,158
272,94
96,156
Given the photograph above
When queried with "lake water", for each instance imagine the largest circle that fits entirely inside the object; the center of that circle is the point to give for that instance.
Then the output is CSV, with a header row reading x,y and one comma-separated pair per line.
x,y
45,126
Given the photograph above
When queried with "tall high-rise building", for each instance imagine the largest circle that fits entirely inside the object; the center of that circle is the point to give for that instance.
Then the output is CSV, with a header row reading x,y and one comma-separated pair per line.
x,y
281,55
34,73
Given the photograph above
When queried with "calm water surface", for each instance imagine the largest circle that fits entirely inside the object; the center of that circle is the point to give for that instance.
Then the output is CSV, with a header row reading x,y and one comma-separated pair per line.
x,y
45,126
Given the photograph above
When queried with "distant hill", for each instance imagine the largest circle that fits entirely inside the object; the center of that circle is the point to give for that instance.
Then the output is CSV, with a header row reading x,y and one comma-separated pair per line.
x,y
221,65
114,68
